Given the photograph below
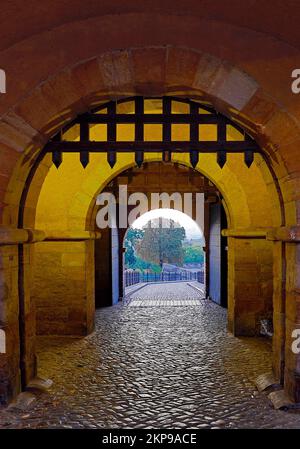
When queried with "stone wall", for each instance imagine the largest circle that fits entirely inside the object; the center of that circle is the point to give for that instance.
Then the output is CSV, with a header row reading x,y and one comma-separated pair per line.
x,y
250,284
9,322
292,320
63,287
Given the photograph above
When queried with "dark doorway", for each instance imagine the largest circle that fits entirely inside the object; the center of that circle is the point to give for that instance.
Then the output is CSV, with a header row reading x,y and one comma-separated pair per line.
x,y
217,255
103,269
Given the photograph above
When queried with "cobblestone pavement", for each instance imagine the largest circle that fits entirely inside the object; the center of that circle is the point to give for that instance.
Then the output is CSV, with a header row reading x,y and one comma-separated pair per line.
x,y
154,367
167,294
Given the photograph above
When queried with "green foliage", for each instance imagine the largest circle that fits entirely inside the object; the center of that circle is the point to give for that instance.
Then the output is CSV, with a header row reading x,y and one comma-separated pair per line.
x,y
143,265
193,254
130,258
132,236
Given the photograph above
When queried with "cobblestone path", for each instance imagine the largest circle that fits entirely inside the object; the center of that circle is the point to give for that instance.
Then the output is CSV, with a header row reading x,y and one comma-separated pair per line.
x,y
167,294
169,367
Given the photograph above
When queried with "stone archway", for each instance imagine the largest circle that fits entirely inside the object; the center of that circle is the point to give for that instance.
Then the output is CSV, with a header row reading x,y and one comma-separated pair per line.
x,y
244,209
152,177
151,70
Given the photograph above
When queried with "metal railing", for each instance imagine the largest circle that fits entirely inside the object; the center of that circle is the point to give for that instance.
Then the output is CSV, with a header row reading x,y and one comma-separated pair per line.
x,y
131,278
135,277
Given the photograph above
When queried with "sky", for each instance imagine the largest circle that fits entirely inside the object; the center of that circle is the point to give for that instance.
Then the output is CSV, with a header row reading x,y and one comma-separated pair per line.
x,y
192,230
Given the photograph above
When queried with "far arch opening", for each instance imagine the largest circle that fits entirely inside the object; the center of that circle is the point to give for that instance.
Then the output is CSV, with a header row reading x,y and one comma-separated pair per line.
x,y
165,181
164,246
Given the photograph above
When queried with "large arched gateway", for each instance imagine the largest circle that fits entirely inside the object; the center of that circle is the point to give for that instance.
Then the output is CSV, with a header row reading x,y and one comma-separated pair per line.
x,y
124,134
193,112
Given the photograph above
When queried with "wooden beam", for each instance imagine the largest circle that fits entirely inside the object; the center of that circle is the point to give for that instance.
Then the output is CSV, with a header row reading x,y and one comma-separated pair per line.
x,y
149,118
152,147
112,135
139,130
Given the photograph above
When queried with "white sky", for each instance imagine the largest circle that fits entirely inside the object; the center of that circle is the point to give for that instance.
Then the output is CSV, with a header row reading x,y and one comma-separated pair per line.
x,y
191,228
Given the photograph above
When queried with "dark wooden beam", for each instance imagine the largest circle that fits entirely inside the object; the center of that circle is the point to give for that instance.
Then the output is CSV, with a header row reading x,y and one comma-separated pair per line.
x,y
84,137
167,110
194,135
149,118
139,131
112,135
222,136
128,147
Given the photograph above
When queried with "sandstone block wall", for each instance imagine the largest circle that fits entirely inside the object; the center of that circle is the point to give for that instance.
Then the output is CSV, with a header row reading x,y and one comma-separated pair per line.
x,y
9,323
250,284
63,287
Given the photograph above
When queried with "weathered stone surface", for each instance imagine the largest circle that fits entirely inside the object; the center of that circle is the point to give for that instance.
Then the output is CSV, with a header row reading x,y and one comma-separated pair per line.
x,y
22,402
63,287
115,69
265,381
167,367
181,66
280,400
39,383
250,278
173,294
237,88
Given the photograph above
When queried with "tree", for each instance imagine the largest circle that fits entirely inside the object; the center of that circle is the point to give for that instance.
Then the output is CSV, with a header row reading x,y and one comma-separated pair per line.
x,y
193,254
130,241
162,244
143,265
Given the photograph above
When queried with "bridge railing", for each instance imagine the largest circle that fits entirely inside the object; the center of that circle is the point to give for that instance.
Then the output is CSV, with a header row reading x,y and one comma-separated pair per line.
x,y
135,277
132,277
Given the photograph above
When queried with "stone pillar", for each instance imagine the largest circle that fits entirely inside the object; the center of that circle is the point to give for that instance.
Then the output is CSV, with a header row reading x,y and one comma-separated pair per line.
x,y
292,321
287,305
279,297
250,276
206,249
10,379
17,314
27,313
122,232
115,267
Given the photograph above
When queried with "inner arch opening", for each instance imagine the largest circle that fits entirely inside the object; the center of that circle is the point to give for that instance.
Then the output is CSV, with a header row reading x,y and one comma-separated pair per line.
x,y
165,246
